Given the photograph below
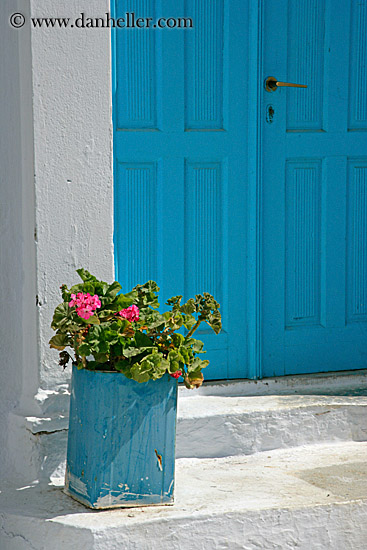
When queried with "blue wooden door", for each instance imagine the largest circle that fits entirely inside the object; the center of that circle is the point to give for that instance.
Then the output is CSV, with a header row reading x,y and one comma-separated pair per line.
x,y
180,123
314,271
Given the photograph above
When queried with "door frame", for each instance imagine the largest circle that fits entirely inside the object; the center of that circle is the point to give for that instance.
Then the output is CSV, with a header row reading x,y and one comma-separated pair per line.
x,y
254,104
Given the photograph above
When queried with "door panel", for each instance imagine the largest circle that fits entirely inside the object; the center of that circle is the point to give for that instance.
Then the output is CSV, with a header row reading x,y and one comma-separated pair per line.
x,y
180,117
314,188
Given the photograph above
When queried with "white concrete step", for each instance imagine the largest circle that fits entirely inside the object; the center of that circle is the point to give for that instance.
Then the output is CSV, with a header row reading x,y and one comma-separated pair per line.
x,y
217,426
226,419
210,426
310,498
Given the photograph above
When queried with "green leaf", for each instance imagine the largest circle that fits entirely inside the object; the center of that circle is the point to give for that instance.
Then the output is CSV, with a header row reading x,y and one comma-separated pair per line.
x,y
100,357
189,307
113,290
124,367
175,302
173,321
94,334
177,322
176,361
152,318
155,357
153,365
111,336
142,339
59,341
116,350
84,349
93,365
61,315
85,275
177,339
65,318
175,355
89,287
141,372
117,323
195,373
106,315
65,293
100,289
215,321
197,365
158,373
146,295
164,364
187,355
102,347
77,288
132,352
188,321
197,345
92,320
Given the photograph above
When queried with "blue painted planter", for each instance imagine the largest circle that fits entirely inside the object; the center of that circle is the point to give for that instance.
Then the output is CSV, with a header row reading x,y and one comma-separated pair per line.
x,y
121,443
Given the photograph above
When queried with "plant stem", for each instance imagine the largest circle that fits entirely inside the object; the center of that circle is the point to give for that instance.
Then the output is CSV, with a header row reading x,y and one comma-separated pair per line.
x,y
191,332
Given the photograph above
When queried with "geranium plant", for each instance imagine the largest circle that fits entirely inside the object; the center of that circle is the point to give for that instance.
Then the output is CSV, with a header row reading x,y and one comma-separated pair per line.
x,y
110,331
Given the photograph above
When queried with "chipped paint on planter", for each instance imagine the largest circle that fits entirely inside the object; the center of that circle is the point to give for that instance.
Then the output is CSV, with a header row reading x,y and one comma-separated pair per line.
x,y
121,444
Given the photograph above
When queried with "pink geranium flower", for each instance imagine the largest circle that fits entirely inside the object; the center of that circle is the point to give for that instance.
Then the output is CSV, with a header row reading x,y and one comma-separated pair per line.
x,y
131,313
85,304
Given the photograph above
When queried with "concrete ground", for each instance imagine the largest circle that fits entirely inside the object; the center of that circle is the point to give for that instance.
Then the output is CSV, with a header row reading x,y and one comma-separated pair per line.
x,y
311,497
277,464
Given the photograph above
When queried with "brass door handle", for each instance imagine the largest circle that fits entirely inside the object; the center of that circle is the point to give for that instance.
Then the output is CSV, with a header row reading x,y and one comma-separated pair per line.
x,y
271,84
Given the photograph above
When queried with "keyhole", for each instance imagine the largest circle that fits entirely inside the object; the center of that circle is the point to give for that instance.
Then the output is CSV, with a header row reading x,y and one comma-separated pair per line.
x,y
270,114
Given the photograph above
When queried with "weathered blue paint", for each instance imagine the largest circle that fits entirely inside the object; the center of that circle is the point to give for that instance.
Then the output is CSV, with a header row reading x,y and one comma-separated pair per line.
x,y
121,443
314,291
181,175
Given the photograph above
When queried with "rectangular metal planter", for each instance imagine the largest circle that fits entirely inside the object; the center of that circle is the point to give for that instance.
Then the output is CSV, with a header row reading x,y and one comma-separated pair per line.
x,y
121,442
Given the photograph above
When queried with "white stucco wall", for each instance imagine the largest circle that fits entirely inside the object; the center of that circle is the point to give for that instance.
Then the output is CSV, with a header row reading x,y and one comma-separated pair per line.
x,y
57,197
72,105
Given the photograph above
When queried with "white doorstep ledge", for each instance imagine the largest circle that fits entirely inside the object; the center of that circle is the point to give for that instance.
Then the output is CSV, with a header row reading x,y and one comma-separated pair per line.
x,y
312,497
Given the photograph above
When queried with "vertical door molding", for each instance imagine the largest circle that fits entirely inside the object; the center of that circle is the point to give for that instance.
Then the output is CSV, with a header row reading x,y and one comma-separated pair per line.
x,y
255,87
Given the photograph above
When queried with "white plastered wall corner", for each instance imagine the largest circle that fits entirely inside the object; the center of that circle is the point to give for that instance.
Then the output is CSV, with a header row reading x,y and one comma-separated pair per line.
x,y
56,212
